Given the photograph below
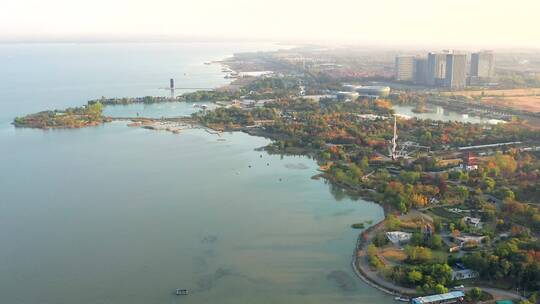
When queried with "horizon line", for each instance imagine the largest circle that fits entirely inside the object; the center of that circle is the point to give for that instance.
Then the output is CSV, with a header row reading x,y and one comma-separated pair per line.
x,y
96,38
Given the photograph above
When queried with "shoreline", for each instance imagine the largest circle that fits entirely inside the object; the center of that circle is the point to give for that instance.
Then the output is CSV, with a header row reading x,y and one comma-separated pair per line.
x,y
360,273
361,243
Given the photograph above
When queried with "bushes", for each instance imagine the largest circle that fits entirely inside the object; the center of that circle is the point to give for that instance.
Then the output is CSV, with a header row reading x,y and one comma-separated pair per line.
x,y
431,278
418,254
477,295
380,239
434,242
392,222
373,260
414,277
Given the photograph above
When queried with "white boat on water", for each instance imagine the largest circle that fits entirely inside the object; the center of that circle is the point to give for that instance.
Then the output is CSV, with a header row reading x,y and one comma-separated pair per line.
x,y
182,292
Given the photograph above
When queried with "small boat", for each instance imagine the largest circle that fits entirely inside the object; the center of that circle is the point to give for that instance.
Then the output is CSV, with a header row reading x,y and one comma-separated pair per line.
x,y
401,299
182,292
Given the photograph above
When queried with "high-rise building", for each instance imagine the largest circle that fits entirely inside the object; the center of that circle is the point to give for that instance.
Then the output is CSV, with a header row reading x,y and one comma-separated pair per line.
x,y
483,65
436,69
420,70
404,68
456,73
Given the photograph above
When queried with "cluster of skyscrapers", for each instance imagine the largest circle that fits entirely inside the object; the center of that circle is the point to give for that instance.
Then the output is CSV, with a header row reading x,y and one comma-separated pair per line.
x,y
446,69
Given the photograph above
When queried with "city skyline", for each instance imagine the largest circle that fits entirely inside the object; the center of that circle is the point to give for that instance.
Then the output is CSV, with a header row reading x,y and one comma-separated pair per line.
x,y
452,69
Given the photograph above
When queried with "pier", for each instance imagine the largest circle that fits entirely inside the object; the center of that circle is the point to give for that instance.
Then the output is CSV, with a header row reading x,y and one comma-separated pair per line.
x,y
171,124
179,119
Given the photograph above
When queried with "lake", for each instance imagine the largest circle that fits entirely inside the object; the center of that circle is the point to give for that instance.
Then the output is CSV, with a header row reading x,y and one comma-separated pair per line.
x,y
442,114
113,214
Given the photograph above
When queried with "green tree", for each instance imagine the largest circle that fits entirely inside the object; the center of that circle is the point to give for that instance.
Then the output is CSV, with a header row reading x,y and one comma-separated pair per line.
x,y
94,110
418,254
392,222
414,277
462,192
409,177
364,163
488,184
475,293
435,242
439,288
505,193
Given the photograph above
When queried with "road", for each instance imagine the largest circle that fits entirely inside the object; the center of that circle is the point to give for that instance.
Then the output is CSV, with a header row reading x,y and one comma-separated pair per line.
x,y
363,270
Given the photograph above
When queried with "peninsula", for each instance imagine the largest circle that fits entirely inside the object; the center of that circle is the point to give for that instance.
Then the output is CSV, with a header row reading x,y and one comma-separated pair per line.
x,y
70,118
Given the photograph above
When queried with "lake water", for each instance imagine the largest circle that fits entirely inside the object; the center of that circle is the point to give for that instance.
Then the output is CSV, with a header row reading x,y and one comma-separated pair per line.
x,y
440,113
113,214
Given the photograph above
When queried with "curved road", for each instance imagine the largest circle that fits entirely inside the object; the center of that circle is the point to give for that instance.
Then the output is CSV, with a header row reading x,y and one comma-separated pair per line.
x,y
362,268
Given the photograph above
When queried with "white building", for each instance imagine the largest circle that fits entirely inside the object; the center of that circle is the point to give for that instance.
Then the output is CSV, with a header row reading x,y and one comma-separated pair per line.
x,y
404,68
398,237
464,274
473,221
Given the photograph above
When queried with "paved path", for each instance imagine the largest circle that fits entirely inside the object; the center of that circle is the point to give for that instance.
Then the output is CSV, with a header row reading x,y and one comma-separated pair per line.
x,y
363,270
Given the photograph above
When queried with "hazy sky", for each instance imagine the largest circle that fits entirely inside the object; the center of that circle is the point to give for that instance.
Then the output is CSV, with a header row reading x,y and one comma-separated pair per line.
x,y
387,22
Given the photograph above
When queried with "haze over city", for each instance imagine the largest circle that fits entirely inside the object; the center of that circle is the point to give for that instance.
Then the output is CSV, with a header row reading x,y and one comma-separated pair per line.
x,y
458,23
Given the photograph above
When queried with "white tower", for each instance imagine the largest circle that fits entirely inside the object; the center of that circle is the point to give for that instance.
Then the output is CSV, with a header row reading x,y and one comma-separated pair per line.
x,y
394,140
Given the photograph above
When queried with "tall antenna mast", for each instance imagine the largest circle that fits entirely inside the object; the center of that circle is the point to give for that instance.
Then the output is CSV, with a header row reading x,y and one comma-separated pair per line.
x,y
394,140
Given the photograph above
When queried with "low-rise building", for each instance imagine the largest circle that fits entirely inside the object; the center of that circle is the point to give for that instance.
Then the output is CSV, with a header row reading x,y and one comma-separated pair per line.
x,y
473,221
347,96
464,274
379,91
398,237
450,297
463,239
